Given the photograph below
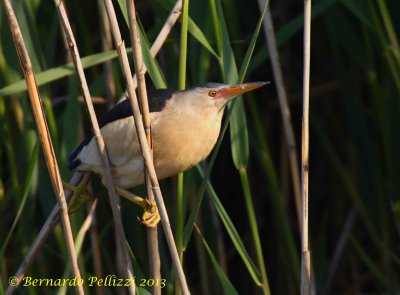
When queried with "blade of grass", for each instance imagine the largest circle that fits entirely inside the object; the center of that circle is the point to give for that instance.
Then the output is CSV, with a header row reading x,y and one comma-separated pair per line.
x,y
281,217
182,86
25,191
226,285
360,10
48,226
392,48
385,44
238,132
152,66
150,63
52,219
54,74
232,232
390,30
193,29
113,197
187,232
248,198
47,145
139,272
198,200
9,151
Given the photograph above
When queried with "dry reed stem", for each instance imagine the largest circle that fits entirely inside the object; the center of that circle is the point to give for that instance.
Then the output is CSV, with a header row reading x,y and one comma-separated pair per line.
x,y
119,43
106,45
284,107
306,256
87,223
114,199
162,36
47,227
53,218
45,138
152,235
95,246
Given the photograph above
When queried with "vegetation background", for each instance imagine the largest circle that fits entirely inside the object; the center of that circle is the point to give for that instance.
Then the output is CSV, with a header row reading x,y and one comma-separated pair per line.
x,y
354,149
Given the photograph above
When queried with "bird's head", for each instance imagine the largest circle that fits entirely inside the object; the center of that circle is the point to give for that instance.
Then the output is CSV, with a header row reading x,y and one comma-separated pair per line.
x,y
215,95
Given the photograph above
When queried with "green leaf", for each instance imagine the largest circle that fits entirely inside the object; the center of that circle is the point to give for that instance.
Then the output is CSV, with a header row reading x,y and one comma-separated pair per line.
x,y
151,63
196,204
280,215
238,127
198,34
226,284
152,66
138,272
232,232
289,30
229,68
360,9
25,192
54,74
250,49
193,29
122,6
239,135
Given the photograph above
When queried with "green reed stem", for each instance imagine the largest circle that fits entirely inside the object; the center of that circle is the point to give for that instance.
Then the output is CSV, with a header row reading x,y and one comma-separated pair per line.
x,y
182,86
248,198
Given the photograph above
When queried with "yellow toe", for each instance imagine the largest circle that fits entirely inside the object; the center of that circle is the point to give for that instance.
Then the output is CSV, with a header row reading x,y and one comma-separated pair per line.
x,y
151,217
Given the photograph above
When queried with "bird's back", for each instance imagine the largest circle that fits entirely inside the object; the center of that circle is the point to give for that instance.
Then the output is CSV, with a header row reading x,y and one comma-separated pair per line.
x,y
157,99
182,136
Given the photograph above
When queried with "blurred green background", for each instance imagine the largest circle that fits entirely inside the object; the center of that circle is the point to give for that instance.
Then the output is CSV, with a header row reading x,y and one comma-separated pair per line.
x,y
354,145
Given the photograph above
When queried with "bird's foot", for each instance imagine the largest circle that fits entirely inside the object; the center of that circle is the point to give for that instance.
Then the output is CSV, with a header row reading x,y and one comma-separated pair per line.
x,y
80,194
150,217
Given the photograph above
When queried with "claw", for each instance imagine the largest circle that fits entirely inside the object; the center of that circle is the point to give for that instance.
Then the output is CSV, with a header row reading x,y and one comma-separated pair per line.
x,y
80,194
151,217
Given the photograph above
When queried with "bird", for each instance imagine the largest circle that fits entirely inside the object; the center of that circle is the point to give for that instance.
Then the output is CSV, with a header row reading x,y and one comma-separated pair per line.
x,y
185,126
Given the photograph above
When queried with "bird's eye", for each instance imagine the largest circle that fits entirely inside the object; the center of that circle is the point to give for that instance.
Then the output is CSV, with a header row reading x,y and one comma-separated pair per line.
x,y
212,93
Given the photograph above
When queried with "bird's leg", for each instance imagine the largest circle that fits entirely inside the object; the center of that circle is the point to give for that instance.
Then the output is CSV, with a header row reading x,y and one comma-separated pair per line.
x,y
150,217
80,193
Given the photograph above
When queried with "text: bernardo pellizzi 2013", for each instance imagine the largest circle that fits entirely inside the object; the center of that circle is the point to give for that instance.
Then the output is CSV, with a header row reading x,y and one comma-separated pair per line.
x,y
93,281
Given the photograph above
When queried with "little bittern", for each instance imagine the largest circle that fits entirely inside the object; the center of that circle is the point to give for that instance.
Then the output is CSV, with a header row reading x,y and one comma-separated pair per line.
x,y
185,126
